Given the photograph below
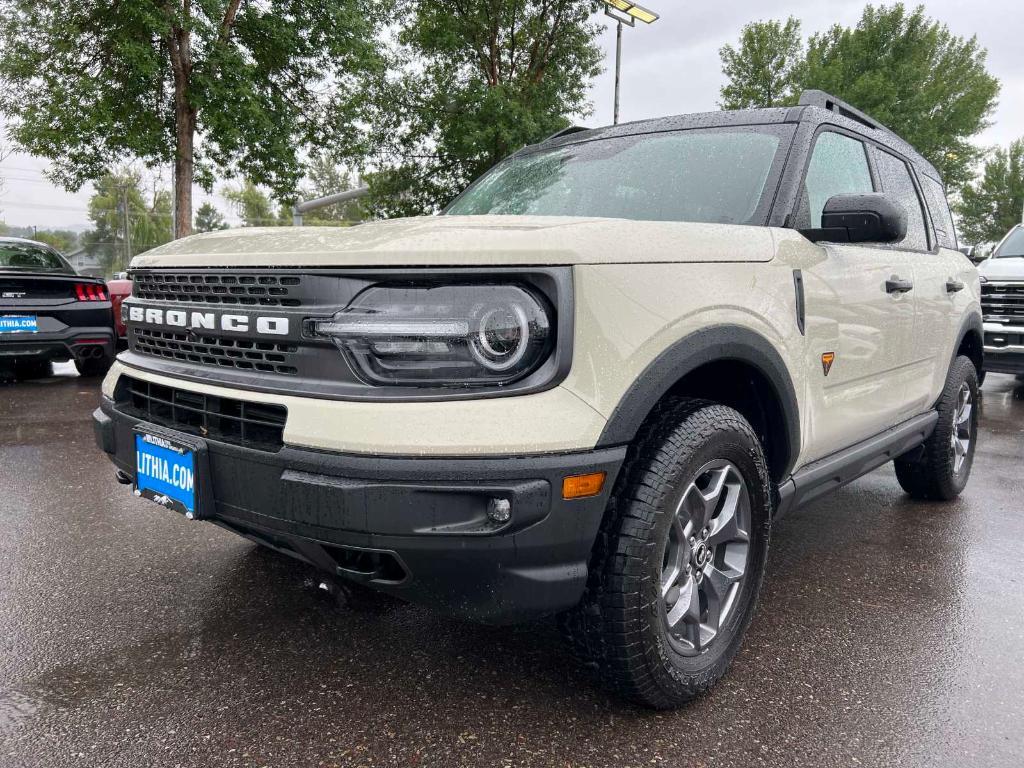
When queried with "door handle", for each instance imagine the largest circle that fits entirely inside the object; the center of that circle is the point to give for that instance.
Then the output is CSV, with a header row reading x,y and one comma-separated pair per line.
x,y
896,285
954,286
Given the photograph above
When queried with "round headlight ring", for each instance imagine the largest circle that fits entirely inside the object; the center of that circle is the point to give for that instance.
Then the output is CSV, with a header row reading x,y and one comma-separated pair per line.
x,y
488,346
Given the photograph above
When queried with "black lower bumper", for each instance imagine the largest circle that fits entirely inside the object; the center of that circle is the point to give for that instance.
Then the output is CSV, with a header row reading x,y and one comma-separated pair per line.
x,y
414,527
1004,362
57,347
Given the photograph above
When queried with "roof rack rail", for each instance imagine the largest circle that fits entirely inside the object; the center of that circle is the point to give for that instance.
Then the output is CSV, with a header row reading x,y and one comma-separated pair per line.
x,y
814,98
565,132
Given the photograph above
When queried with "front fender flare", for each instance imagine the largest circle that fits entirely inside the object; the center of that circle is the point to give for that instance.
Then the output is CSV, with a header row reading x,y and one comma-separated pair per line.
x,y
717,343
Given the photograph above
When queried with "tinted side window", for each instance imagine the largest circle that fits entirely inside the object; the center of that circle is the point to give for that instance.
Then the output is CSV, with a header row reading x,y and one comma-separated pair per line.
x,y
839,165
939,207
896,180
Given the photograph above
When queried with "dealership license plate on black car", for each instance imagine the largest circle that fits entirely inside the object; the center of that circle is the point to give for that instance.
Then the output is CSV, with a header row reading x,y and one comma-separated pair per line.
x,y
19,324
165,472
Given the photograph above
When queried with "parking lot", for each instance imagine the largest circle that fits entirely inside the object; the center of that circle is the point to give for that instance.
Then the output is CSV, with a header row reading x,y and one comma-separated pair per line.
x,y
889,633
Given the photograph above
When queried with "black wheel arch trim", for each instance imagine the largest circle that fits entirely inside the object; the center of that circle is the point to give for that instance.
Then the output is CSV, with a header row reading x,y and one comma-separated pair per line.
x,y
973,322
709,345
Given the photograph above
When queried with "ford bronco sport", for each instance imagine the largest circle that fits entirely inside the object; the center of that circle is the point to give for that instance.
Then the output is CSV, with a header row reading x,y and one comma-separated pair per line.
x,y
586,389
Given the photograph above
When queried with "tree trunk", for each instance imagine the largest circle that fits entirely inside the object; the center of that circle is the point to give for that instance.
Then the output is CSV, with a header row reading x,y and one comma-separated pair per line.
x,y
184,122
184,168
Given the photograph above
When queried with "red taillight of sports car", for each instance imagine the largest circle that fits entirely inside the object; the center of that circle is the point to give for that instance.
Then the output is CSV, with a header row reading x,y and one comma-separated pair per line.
x,y
90,292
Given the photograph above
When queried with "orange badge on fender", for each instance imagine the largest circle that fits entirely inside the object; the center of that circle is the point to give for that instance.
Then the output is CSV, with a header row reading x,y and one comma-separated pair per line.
x,y
826,361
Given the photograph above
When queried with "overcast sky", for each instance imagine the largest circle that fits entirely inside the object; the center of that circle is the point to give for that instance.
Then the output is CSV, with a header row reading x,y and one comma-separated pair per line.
x,y
668,68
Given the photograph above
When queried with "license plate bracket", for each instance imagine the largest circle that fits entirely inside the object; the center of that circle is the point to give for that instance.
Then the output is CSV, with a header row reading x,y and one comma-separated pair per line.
x,y
172,471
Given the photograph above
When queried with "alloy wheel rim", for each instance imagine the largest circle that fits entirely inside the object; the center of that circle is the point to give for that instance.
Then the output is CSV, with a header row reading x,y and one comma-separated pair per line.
x,y
705,559
960,441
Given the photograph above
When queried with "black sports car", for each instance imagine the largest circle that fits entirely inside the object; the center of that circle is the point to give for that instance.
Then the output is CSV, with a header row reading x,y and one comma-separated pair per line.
x,y
49,313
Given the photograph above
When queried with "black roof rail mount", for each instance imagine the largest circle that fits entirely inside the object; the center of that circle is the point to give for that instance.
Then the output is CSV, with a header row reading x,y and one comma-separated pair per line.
x,y
565,132
814,98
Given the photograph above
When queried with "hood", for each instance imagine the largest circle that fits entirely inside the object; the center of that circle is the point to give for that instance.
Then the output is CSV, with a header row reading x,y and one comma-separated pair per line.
x,y
467,241
1004,268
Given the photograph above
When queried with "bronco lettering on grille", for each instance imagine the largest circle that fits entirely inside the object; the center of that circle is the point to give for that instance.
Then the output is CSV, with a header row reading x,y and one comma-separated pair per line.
x,y
231,323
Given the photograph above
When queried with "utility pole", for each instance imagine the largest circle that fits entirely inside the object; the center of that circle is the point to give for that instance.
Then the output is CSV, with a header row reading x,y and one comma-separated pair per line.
x,y
618,68
126,250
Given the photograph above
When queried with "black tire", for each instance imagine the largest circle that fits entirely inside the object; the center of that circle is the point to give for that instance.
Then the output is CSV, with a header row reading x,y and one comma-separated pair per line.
x,y
935,473
93,366
981,378
621,627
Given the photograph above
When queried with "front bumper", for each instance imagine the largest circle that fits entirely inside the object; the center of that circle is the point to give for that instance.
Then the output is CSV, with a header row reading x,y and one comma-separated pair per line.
x,y
414,527
1004,348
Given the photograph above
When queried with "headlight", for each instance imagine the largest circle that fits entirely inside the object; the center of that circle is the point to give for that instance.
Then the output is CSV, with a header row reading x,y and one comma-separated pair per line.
x,y
443,335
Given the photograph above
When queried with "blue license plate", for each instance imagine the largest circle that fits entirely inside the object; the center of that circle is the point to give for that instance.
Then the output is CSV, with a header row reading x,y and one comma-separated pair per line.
x,y
19,324
165,473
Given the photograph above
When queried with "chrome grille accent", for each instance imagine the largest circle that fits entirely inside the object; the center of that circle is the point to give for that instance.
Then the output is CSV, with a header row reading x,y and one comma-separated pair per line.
x,y
1003,302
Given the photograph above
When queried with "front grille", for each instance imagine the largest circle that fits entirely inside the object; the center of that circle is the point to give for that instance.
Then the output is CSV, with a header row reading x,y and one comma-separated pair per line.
x,y
1003,302
251,425
242,354
211,288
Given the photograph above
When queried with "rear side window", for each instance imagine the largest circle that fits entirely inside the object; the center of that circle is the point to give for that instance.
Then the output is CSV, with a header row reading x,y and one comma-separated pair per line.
x,y
839,166
897,182
942,219
31,258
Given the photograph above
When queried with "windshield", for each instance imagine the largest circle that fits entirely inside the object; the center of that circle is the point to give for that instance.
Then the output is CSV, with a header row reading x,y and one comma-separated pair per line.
x,y
32,258
1012,246
706,175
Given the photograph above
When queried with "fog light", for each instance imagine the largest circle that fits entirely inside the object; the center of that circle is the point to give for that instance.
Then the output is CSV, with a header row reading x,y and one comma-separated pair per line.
x,y
499,510
582,486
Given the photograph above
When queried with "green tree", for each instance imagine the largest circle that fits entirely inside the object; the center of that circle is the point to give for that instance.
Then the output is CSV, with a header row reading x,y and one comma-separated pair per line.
x,y
326,176
64,240
911,73
209,219
764,69
901,67
92,82
477,80
253,205
147,223
995,202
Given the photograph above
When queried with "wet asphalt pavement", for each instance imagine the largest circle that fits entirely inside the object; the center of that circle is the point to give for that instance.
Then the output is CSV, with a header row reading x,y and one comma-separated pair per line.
x,y
889,633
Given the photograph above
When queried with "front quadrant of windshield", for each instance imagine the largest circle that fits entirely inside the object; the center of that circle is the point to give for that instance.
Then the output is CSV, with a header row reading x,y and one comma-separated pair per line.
x,y
1013,246
713,176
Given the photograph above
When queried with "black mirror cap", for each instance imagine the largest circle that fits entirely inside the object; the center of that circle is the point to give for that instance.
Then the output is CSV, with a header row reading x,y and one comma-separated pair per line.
x,y
866,218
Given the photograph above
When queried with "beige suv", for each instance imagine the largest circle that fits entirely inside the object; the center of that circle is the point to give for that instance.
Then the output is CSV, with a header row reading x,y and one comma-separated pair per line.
x,y
586,389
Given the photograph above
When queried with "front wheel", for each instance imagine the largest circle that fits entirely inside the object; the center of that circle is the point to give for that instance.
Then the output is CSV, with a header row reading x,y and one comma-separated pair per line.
x,y
680,559
941,470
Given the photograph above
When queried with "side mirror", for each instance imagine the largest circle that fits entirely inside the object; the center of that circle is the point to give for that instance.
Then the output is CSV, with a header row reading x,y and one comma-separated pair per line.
x,y
866,218
972,253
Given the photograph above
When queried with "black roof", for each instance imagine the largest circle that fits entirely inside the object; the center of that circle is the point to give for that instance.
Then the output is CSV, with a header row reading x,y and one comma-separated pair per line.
x,y
815,106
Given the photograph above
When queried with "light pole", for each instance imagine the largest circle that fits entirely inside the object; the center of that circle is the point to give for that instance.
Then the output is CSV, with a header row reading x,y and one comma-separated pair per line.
x,y
624,12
